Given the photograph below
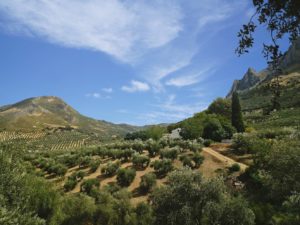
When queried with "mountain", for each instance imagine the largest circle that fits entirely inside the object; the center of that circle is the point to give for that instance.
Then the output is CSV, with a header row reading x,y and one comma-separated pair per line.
x,y
49,112
289,63
250,79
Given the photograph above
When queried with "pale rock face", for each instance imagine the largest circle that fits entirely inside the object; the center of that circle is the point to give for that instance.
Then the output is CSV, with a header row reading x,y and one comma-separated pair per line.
x,y
290,62
250,79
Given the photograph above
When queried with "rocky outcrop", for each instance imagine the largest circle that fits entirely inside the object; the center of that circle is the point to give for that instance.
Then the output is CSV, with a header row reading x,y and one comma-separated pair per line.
x,y
290,62
250,79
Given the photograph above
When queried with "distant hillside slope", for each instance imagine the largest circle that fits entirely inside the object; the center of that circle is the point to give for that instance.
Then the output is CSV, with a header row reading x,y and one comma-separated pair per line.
x,y
49,112
260,96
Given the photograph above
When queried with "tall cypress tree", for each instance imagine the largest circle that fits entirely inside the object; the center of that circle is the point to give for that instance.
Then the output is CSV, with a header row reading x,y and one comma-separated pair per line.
x,y
236,115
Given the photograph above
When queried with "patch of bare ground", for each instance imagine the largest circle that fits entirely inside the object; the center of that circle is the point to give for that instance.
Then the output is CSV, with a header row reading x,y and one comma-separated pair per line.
x,y
224,159
226,149
211,165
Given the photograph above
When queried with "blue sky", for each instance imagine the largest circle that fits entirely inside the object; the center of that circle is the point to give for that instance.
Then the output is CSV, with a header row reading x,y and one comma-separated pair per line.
x,y
134,61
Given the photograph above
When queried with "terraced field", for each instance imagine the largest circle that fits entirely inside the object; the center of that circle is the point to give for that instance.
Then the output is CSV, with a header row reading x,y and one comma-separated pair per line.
x,y
77,162
47,141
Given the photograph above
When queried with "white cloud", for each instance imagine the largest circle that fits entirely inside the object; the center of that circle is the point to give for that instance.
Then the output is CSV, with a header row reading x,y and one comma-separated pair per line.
x,y
107,90
123,29
136,86
190,79
97,96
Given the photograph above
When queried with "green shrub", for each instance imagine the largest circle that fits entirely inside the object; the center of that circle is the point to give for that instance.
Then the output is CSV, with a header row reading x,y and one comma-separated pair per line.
x,y
89,185
249,144
186,161
94,164
78,175
57,169
153,147
213,130
110,169
234,168
148,181
198,159
162,167
242,144
84,161
169,153
194,147
207,142
138,146
70,185
125,177
144,214
140,161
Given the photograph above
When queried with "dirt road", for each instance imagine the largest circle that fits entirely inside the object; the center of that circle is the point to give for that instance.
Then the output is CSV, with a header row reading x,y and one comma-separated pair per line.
x,y
223,158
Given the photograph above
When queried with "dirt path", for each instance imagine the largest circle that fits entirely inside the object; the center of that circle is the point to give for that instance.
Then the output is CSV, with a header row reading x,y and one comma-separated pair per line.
x,y
228,161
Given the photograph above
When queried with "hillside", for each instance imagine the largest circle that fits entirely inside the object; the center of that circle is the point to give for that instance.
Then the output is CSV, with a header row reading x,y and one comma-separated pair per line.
x,y
48,113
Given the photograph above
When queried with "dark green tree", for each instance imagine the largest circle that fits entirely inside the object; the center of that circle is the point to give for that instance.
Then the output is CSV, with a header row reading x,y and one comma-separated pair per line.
x,y
188,199
236,116
144,214
148,181
125,176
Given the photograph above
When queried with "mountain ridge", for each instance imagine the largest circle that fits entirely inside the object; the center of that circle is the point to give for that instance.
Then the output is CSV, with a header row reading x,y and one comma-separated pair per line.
x,y
290,62
47,112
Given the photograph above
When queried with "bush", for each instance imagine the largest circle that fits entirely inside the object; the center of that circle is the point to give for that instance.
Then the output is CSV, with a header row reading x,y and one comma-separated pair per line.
x,y
213,130
193,161
194,147
84,161
153,148
248,144
148,181
140,161
58,169
207,142
78,176
89,185
186,161
70,184
234,168
162,167
94,164
110,169
169,153
187,198
138,146
125,177
198,159
144,214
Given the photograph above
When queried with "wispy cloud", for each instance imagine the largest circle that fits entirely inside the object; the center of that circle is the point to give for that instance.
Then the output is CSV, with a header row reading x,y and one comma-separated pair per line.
x,y
97,96
107,90
123,29
190,79
171,111
136,86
